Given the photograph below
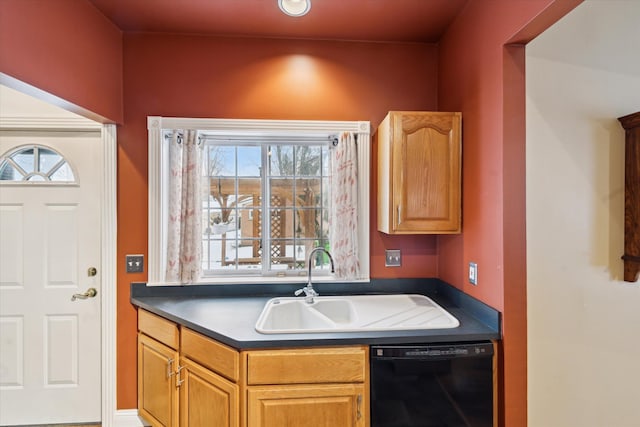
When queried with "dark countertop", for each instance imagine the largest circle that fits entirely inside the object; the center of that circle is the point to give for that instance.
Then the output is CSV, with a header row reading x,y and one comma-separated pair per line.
x,y
228,313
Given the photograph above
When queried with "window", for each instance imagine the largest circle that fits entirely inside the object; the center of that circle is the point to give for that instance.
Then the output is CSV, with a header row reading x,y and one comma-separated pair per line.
x,y
266,196
266,205
35,164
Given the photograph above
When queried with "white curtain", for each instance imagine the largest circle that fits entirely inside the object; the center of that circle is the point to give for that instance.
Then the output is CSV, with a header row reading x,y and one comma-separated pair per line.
x,y
184,243
343,221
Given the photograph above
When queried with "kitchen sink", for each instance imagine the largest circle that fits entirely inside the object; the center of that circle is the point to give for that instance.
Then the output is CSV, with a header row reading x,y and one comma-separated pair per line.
x,y
350,313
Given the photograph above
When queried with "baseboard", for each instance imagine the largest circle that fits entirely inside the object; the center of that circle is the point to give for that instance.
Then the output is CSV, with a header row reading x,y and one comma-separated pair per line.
x,y
128,418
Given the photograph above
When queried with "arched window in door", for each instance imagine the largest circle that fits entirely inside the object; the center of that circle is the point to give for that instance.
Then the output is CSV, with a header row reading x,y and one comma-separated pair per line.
x,y
35,164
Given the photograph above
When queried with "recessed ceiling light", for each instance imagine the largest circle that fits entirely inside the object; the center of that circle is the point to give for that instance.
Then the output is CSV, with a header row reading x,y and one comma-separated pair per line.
x,y
295,7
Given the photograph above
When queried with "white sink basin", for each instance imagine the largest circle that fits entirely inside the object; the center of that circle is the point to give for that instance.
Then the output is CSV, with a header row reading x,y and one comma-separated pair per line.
x,y
351,313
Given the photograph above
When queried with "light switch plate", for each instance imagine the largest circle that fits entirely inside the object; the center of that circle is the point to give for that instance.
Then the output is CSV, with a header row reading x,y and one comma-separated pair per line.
x,y
135,263
392,258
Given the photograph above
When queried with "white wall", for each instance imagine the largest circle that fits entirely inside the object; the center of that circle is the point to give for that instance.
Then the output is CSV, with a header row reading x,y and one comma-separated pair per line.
x,y
584,321
16,104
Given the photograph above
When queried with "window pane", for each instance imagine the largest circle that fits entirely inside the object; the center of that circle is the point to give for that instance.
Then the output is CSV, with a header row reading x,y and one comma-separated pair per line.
x,y
282,223
249,190
298,227
249,161
281,160
326,165
282,254
308,160
218,252
307,223
9,173
281,190
248,223
325,193
220,189
220,160
63,173
308,192
25,159
212,216
47,160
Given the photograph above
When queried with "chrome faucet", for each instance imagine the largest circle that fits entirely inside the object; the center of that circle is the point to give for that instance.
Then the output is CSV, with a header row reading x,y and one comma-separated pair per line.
x,y
309,292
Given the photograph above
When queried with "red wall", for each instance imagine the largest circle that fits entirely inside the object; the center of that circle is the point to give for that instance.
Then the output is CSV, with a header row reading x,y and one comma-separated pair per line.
x,y
66,48
191,76
485,79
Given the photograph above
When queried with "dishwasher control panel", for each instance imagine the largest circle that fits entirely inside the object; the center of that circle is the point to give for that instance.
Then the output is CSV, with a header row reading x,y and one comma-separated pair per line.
x,y
432,351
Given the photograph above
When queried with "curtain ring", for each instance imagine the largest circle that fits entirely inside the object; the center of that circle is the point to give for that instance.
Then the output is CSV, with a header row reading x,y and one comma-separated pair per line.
x,y
178,136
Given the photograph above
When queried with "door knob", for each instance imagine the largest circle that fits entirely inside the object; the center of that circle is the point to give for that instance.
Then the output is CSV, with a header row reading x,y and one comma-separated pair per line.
x,y
91,292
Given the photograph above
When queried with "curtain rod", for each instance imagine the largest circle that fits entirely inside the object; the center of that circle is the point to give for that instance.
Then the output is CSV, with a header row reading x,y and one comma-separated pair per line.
x,y
274,139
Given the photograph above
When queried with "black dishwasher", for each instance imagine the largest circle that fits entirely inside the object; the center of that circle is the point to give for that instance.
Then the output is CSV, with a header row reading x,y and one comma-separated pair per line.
x,y
429,385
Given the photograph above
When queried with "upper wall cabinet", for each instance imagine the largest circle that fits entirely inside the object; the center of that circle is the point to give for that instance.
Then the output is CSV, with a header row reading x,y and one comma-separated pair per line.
x,y
419,173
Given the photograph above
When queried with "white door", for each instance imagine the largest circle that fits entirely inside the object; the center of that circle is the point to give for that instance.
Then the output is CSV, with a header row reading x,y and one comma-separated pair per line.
x,y
49,243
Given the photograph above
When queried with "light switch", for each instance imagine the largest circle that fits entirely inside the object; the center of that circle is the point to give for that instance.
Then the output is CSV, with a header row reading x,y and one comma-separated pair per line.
x,y
135,263
392,258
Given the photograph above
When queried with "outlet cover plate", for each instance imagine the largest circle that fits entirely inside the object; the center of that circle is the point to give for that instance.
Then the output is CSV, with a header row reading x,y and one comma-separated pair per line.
x,y
135,263
473,273
392,258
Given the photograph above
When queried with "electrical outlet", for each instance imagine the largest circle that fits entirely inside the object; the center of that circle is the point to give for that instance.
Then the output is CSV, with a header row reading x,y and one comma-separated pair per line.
x,y
135,263
473,273
392,258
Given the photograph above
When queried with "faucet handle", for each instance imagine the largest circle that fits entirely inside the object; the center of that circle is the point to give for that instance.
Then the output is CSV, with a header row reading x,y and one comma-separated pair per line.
x,y
309,293
308,290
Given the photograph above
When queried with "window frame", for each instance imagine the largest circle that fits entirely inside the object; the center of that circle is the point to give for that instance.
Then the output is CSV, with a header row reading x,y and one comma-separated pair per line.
x,y
158,184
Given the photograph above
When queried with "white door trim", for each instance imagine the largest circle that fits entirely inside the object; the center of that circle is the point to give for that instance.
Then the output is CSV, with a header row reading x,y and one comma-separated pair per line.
x,y
109,276
111,416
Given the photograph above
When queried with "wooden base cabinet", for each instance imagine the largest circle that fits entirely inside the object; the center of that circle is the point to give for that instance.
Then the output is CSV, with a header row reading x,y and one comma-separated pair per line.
x,y
215,385
308,387
173,389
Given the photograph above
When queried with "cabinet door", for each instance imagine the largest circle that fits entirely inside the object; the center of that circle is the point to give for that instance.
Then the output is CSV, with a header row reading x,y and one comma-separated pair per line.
x,y
329,405
420,165
206,399
157,392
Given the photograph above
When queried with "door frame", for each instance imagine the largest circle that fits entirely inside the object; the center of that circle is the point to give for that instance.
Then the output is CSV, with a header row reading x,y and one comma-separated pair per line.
x,y
108,246
109,286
